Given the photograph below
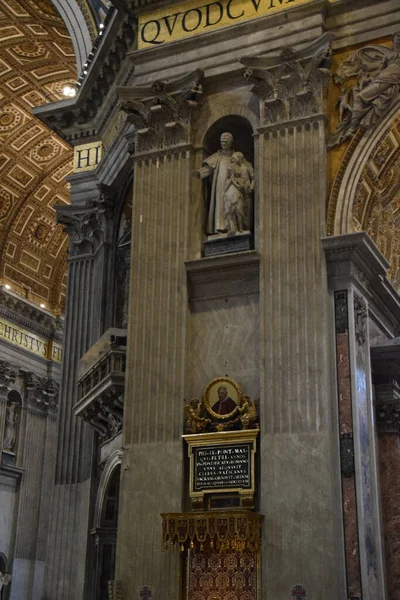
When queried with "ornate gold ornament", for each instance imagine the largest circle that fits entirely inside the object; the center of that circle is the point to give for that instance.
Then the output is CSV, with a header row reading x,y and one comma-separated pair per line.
x,y
223,407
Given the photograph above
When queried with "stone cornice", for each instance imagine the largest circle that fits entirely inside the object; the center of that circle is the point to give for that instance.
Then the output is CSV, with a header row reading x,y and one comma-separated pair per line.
x,y
26,314
81,117
354,258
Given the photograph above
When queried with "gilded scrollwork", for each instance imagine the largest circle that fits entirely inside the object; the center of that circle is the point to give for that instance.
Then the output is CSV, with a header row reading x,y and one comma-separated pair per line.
x,y
223,407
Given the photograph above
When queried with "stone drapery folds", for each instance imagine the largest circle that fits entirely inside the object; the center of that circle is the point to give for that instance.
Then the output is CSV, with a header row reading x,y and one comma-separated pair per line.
x,y
370,87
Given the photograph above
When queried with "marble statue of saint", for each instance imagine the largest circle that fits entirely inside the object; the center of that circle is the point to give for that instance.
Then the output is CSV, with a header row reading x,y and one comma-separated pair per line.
x,y
219,167
10,432
237,196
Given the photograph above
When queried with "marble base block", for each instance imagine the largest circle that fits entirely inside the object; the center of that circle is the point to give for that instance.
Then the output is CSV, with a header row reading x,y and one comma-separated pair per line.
x,y
226,244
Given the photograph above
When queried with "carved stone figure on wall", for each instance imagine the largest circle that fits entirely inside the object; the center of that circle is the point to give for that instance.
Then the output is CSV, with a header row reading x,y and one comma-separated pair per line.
x,y
10,431
377,69
227,208
237,197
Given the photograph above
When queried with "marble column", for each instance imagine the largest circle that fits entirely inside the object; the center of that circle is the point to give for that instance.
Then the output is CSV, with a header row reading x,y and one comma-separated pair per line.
x,y
386,377
361,295
299,458
88,222
152,465
38,441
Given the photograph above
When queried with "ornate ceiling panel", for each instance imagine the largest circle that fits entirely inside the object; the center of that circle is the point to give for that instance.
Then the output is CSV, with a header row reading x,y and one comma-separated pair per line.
x,y
36,62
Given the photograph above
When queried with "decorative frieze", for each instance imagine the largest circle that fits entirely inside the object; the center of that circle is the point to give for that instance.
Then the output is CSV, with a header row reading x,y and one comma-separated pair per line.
x,y
291,85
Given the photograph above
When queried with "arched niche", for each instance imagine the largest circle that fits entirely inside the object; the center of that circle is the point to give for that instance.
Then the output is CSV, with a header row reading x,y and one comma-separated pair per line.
x,y
112,464
12,423
106,522
241,130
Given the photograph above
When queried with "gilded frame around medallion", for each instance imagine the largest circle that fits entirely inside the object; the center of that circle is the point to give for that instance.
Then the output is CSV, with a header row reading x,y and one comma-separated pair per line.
x,y
234,392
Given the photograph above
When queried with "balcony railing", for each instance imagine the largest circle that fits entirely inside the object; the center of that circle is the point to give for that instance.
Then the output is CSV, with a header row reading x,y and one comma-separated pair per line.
x,y
101,384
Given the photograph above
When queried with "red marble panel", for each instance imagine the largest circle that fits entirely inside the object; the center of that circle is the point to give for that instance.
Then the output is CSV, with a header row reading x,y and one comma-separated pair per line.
x,y
389,462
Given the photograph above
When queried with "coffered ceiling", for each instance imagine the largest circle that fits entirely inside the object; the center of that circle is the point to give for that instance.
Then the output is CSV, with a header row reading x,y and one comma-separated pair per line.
x,y
36,62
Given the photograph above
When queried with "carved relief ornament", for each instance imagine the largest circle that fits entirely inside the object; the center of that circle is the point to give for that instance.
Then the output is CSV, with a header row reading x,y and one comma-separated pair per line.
x,y
292,84
370,87
162,112
87,224
8,374
42,394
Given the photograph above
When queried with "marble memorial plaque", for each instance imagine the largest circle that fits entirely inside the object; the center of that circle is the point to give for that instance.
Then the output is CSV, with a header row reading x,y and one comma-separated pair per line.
x,y
222,467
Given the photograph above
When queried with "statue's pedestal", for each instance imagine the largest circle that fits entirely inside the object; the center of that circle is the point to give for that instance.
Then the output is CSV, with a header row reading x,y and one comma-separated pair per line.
x,y
223,243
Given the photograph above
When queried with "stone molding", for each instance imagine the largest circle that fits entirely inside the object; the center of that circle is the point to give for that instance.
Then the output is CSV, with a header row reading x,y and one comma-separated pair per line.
x,y
292,84
162,112
30,316
224,275
88,224
78,116
354,258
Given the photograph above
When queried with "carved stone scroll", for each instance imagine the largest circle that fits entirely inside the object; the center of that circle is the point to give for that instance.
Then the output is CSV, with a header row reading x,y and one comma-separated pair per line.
x,y
162,112
87,225
291,85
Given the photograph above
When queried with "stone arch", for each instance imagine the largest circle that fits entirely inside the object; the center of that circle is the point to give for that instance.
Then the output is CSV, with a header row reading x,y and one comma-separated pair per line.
x,y
340,207
112,463
74,19
210,115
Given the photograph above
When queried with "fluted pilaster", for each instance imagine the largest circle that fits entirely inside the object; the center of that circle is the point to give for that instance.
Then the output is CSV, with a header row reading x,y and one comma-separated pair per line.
x,y
88,224
298,455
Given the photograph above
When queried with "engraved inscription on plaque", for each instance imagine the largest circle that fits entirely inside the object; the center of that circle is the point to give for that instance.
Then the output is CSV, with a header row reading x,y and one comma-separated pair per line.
x,y
222,467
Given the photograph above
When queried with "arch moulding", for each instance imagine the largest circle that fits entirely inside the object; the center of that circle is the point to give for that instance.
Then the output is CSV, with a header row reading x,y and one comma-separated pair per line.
x,y
340,208
112,463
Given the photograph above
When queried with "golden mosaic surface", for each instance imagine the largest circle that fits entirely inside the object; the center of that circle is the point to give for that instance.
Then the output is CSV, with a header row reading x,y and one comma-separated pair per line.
x,y
36,62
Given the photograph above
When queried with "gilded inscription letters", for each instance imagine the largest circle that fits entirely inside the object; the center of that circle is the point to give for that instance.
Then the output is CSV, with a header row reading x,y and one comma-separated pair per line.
x,y
195,17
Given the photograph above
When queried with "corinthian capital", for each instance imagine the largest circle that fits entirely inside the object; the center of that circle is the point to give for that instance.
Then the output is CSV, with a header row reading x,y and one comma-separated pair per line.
x,y
8,373
291,84
42,393
87,224
162,111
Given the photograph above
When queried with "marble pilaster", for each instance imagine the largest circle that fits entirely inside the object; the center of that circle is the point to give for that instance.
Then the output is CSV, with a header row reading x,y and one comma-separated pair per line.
x,y
87,220
386,374
298,453
361,293
152,467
